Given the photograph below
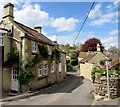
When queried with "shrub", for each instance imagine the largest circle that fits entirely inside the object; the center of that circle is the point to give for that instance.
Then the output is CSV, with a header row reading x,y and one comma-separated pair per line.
x,y
69,67
102,62
74,62
73,55
102,72
68,61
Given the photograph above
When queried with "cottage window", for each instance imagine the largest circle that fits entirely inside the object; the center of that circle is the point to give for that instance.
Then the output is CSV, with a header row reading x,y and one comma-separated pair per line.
x,y
60,67
53,67
1,40
45,69
40,69
34,47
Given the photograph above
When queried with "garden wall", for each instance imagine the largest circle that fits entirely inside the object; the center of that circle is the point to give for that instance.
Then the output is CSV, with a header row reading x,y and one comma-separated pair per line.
x,y
100,85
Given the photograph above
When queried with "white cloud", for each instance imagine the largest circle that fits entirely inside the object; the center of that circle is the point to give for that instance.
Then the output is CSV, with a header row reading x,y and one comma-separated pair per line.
x,y
63,24
69,39
114,32
107,18
95,12
110,41
32,16
66,39
100,17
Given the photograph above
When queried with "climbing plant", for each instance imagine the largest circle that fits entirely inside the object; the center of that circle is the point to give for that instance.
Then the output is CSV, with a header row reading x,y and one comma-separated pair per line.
x,y
43,50
53,55
13,55
26,74
57,55
33,62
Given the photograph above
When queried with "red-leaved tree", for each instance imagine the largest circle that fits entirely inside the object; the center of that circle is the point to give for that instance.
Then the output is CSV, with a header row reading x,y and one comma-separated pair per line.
x,y
91,45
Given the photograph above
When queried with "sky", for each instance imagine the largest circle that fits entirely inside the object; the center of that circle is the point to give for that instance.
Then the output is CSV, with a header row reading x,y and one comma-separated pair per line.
x,y
61,21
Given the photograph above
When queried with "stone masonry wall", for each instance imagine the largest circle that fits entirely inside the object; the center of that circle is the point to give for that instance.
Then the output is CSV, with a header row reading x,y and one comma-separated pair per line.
x,y
100,85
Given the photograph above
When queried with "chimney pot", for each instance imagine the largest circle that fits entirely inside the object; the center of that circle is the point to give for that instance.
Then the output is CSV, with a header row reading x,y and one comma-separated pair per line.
x,y
38,29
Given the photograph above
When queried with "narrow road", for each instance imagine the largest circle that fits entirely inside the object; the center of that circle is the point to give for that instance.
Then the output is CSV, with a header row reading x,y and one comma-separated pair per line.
x,y
75,90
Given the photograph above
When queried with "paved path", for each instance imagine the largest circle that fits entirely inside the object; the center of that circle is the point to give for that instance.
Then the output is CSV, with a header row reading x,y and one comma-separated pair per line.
x,y
106,102
75,90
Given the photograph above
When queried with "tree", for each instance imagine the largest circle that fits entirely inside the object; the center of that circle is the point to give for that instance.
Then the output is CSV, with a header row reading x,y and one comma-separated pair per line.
x,y
74,58
91,45
73,55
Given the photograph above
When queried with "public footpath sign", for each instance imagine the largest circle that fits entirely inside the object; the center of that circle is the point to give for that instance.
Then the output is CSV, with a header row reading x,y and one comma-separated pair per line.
x,y
108,83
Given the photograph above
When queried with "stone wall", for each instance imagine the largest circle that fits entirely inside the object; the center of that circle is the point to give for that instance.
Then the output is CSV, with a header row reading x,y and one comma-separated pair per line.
x,y
86,69
100,85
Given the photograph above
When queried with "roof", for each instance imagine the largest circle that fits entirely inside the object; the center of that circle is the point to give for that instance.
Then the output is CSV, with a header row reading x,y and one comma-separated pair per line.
x,y
113,63
2,30
89,56
31,33
112,56
82,54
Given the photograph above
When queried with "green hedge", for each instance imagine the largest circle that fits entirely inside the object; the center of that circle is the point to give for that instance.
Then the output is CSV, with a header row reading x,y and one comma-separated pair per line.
x,y
69,67
102,62
102,72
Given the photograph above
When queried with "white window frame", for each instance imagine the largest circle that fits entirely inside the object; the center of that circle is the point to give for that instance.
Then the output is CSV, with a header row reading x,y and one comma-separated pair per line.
x,y
15,73
40,70
1,40
34,46
45,69
53,67
60,67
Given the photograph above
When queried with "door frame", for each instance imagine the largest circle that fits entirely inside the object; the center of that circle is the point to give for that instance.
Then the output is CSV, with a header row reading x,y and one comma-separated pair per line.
x,y
12,88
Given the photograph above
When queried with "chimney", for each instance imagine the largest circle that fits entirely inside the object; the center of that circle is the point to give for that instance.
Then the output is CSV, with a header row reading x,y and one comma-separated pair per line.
x,y
8,12
38,29
98,47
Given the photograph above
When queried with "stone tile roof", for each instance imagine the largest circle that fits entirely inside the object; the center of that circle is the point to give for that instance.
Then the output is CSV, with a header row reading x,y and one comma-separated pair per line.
x,y
82,54
31,33
89,56
112,56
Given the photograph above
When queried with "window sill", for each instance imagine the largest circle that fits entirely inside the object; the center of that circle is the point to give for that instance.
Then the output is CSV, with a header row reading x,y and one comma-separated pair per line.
x,y
41,77
34,52
53,72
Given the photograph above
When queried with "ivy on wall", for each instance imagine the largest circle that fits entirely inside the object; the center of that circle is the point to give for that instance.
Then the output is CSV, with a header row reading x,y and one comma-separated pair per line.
x,y
43,50
26,74
33,62
13,55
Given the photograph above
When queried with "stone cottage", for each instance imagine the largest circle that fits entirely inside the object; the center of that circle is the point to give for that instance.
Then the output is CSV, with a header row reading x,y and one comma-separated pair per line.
x,y
29,44
89,60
